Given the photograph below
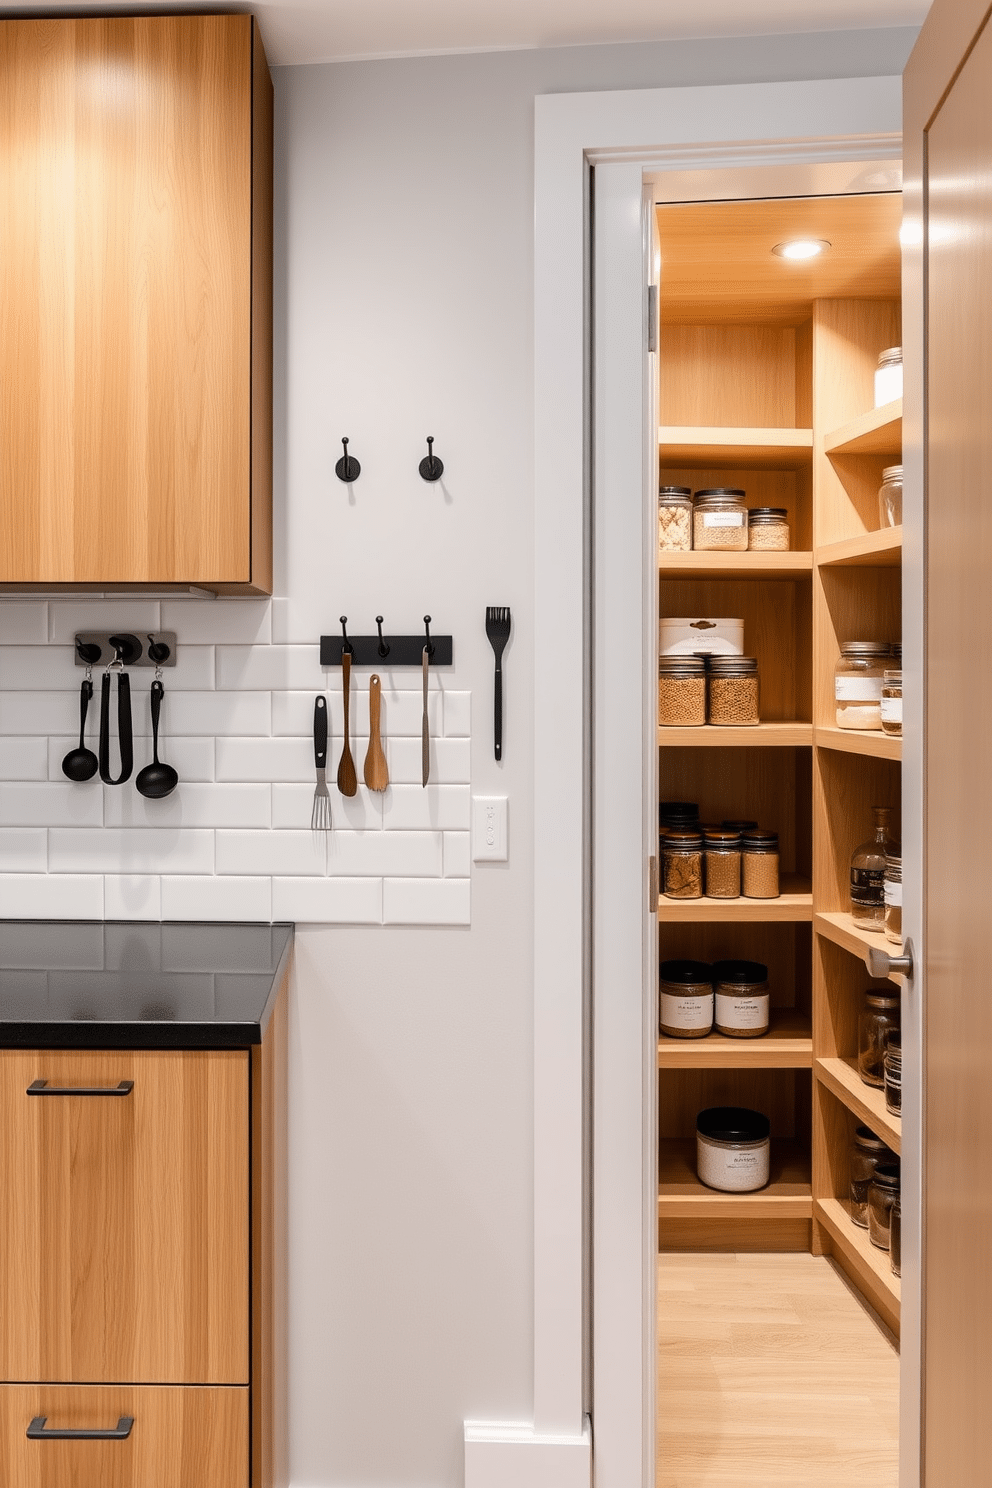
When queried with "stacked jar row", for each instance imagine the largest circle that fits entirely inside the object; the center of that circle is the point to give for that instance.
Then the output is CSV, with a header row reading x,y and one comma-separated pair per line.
x,y
719,862
875,1184
719,690
730,996
718,520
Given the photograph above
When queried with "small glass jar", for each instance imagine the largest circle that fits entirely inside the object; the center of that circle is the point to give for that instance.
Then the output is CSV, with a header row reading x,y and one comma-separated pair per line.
x,y
759,865
892,1071
681,691
890,497
719,520
741,999
685,1004
682,863
723,863
892,702
867,1151
768,529
733,691
892,887
677,814
883,1191
733,1151
858,684
879,1018
895,1236
888,376
675,519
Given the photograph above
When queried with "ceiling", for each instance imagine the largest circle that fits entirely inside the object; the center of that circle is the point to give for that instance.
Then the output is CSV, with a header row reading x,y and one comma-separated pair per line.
x,y
297,31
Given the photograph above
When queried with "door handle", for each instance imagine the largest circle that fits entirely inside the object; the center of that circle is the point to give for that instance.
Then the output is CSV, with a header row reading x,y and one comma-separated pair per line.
x,y
42,1087
881,964
36,1431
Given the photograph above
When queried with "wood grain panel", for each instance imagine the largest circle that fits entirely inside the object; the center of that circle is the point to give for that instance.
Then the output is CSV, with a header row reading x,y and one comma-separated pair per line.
x,y
850,604
784,949
734,784
733,375
732,1236
846,788
269,1282
683,1093
183,1437
764,487
124,1241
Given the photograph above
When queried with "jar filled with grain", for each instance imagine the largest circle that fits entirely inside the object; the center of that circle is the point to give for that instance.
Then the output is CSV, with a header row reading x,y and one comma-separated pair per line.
x,y
723,863
867,1152
759,865
741,999
890,497
883,1191
733,691
719,520
892,1070
768,529
892,891
682,863
879,1019
681,691
892,702
674,519
858,684
686,999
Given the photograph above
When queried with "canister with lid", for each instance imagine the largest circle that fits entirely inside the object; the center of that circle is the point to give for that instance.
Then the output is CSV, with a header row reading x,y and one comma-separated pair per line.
x,y
733,691
741,999
723,863
858,684
701,635
883,1191
890,497
888,376
686,999
879,1018
682,863
867,1151
674,519
720,520
677,814
892,889
768,529
681,691
892,702
759,864
733,1149
892,1073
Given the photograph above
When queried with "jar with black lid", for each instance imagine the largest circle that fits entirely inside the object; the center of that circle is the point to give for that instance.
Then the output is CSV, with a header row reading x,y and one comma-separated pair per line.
x,y
733,691
674,519
677,814
682,863
681,691
892,1073
759,864
768,529
867,1151
733,1149
741,1000
719,520
879,1019
686,999
883,1191
739,826
723,863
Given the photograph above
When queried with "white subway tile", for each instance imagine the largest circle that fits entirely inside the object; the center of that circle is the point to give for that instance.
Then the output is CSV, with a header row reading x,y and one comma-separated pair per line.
x,y
39,712
65,617
451,761
438,807
288,853
130,850
191,805
403,713
52,804
457,854
216,713
24,758
201,622
50,896
216,899
457,715
298,621
132,897
39,669
192,758
22,850
23,623
194,670
331,901
371,854
270,668
265,759
418,901
292,805
292,712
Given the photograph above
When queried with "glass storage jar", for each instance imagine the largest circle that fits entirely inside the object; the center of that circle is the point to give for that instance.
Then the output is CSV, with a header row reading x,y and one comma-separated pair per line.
x,y
892,889
719,520
723,863
895,1236
879,1017
768,529
741,1000
890,497
733,1151
677,814
868,873
733,691
892,1068
674,519
883,1191
682,863
867,1151
858,684
892,702
888,376
685,1007
759,864
681,691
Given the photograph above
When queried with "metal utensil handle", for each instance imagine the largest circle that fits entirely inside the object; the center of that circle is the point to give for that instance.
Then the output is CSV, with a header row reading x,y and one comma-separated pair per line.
x,y
498,713
36,1431
42,1087
320,731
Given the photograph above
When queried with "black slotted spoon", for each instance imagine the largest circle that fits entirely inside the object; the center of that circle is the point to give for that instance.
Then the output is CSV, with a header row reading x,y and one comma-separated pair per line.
x,y
498,631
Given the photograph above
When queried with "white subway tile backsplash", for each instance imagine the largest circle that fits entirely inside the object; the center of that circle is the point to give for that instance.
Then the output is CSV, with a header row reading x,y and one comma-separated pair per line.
x,y
52,804
40,712
403,712
273,852
292,712
457,854
292,806
132,897
457,715
265,759
24,758
191,805
38,669
426,901
22,850
192,758
194,670
130,850
217,713
23,623
274,668
65,617
200,622
371,854
444,807
52,896
344,901
451,761
216,898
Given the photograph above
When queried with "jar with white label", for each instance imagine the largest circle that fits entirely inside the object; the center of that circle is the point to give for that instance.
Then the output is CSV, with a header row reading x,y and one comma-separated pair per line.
x,y
892,889
733,1149
685,1004
892,702
741,1000
858,684
720,520
888,376
890,497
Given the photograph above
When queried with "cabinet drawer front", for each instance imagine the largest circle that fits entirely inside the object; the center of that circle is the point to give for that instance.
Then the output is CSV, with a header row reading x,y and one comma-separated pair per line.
x,y
124,1229
179,1437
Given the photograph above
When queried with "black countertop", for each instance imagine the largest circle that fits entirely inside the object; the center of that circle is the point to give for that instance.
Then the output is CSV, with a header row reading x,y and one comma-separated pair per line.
x,y
117,984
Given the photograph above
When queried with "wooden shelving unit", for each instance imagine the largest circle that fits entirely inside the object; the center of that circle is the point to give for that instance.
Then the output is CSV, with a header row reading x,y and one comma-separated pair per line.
x,y
788,1044
794,903
838,927
789,1194
703,565
765,735
756,449
868,1104
876,432
881,549
864,1262
867,742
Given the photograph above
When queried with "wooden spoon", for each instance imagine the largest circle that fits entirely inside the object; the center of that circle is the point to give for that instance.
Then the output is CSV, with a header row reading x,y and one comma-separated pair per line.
x,y
376,770
347,779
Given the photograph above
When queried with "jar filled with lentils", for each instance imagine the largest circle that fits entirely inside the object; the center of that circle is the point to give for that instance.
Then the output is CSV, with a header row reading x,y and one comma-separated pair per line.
x,y
723,863
768,530
867,1152
682,863
685,1008
674,519
719,520
733,691
759,865
741,999
681,691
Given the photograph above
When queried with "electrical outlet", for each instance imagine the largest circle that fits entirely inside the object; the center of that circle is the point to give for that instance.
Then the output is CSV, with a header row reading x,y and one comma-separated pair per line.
x,y
489,829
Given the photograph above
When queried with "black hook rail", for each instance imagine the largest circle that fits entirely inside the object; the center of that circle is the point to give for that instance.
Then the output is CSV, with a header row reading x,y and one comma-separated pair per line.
x,y
372,650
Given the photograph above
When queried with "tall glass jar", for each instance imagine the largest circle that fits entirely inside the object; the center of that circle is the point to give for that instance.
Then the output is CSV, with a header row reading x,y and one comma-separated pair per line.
x,y
759,865
892,702
879,1018
674,519
723,863
681,691
720,520
682,863
888,376
858,684
883,1191
768,529
867,1151
685,1008
892,889
892,1065
868,873
733,691
890,497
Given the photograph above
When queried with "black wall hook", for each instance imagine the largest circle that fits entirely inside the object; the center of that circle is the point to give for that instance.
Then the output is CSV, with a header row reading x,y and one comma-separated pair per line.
x,y
345,643
431,468
383,647
347,468
428,643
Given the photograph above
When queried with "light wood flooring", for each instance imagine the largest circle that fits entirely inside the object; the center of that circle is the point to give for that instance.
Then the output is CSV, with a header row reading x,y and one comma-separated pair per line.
x,y
771,1374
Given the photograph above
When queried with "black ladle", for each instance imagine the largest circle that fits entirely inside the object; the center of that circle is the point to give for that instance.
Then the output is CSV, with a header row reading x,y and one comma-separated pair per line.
x,y
81,763
156,779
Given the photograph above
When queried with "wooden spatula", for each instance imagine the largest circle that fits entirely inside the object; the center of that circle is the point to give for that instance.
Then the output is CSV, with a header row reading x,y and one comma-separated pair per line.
x,y
347,779
376,770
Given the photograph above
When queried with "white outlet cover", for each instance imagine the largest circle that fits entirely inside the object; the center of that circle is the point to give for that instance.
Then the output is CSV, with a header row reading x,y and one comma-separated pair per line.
x,y
489,829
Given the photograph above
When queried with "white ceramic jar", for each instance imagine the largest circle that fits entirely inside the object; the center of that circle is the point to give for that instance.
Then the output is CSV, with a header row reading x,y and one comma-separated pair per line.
x,y
733,1150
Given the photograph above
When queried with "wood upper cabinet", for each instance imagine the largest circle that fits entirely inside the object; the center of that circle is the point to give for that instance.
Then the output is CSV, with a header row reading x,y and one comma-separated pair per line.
x,y
135,303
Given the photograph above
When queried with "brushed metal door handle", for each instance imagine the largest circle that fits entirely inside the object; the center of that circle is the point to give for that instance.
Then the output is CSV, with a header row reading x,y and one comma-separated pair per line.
x,y
881,964
42,1087
36,1431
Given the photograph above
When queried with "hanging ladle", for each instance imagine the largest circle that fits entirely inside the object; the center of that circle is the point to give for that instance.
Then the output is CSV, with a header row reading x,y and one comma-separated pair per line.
x,y
156,780
81,763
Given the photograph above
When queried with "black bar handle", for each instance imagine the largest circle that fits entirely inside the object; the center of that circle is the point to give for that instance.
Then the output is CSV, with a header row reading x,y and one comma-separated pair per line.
x,y
42,1087
36,1431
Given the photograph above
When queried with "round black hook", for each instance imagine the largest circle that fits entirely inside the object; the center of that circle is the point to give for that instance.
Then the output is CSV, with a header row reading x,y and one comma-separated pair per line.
x,y
345,643
87,651
383,648
158,651
431,468
347,468
428,644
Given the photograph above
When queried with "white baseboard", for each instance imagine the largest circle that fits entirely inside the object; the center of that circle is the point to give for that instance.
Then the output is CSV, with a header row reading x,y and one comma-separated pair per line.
x,y
507,1455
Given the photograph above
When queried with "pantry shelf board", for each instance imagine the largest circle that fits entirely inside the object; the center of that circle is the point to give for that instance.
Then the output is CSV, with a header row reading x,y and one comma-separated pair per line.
x,y
881,549
794,903
860,741
761,736
682,1196
748,449
877,432
870,1265
788,1044
840,928
705,565
841,1078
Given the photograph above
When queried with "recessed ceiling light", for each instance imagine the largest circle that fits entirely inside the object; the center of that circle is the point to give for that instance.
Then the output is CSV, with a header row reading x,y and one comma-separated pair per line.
x,y
801,248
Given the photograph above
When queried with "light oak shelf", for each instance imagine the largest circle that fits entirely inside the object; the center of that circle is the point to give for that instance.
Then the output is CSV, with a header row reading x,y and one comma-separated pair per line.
x,y
750,449
762,736
788,1195
871,1263
881,549
841,1078
870,742
877,432
788,1044
841,929
706,565
794,903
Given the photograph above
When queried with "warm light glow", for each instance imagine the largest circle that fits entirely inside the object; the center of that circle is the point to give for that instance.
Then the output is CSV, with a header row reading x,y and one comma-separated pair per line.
x,y
911,232
801,248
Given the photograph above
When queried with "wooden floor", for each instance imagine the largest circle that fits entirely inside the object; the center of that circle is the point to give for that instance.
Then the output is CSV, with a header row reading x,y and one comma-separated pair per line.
x,y
771,1372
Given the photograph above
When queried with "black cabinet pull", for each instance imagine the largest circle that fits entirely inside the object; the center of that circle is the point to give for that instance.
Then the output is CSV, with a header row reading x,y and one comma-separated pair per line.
x,y
120,1432
42,1087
